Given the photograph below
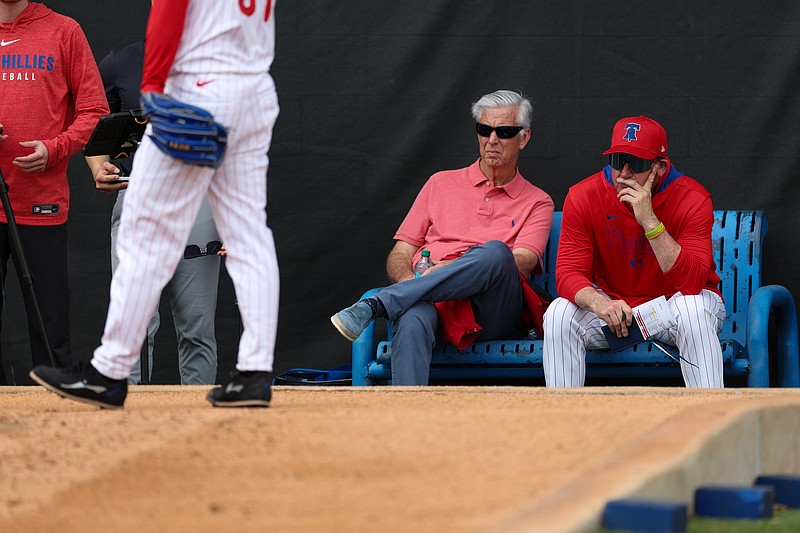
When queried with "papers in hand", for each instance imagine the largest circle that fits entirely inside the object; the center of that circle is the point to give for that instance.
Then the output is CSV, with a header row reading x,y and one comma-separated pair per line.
x,y
654,317
649,319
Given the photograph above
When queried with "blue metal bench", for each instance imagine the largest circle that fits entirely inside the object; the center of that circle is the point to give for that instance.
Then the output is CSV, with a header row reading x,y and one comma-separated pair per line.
x,y
738,238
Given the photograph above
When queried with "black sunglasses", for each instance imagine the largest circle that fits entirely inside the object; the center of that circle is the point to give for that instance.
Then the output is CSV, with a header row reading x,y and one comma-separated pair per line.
x,y
193,251
503,132
636,164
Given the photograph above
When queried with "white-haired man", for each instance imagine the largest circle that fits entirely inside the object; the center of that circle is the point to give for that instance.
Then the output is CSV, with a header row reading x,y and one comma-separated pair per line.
x,y
485,227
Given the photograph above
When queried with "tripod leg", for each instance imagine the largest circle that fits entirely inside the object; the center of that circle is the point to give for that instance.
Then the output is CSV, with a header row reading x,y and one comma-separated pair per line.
x,y
25,278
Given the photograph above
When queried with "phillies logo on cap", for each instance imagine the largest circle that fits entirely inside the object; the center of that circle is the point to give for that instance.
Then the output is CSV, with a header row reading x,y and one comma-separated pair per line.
x,y
638,136
630,131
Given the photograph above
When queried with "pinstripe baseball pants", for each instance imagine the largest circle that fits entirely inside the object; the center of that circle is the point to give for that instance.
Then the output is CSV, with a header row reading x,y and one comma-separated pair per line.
x,y
569,331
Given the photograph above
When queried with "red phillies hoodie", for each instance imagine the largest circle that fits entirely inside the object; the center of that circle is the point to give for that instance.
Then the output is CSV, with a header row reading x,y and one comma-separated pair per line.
x,y
50,91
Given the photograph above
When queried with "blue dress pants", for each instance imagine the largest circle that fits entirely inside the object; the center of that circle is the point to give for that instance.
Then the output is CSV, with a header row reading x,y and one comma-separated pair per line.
x,y
485,274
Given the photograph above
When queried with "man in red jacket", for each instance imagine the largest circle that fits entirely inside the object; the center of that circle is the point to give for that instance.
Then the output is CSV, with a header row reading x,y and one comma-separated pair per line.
x,y
51,98
634,231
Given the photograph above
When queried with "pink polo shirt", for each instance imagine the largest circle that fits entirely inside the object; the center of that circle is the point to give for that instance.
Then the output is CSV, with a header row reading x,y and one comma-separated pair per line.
x,y
459,209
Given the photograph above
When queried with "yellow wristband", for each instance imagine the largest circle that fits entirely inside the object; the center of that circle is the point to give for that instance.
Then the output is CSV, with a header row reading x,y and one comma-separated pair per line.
x,y
655,232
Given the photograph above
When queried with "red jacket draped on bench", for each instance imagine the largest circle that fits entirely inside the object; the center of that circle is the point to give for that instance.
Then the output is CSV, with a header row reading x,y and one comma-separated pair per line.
x,y
458,324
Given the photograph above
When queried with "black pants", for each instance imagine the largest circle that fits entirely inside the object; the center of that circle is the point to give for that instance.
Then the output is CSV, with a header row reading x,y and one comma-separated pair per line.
x,y
45,249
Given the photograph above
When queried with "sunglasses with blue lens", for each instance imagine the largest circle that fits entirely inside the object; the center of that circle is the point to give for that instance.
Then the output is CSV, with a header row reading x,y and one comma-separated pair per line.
x,y
636,164
503,132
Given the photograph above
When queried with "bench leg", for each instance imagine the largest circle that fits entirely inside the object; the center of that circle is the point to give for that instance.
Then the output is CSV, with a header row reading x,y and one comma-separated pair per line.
x,y
777,301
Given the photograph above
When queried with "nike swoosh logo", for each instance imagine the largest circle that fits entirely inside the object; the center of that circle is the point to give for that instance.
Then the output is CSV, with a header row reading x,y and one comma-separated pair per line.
x,y
6,43
204,83
99,389
233,388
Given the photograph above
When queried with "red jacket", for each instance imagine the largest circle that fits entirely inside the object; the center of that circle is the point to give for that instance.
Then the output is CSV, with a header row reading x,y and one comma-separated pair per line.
x,y
602,244
50,91
457,320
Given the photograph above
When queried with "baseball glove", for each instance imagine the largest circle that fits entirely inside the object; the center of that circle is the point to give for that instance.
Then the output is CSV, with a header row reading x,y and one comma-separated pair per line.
x,y
183,131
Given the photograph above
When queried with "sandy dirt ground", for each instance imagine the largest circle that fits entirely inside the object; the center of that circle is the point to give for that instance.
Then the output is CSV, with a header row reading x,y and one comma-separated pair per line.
x,y
335,459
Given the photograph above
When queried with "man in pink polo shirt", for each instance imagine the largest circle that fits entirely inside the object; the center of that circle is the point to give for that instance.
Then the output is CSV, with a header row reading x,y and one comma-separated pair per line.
x,y
485,227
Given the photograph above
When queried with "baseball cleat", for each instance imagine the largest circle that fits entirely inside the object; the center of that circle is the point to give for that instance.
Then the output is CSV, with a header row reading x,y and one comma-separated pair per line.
x,y
245,389
351,322
82,383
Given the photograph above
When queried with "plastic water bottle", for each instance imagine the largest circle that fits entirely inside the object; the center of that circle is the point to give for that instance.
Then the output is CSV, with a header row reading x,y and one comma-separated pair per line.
x,y
423,264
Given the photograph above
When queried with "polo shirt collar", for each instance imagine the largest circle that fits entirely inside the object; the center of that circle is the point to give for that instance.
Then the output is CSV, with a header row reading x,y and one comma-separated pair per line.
x,y
513,188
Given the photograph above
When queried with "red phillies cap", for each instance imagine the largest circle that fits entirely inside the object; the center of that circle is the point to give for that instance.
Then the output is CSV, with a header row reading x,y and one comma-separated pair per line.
x,y
638,136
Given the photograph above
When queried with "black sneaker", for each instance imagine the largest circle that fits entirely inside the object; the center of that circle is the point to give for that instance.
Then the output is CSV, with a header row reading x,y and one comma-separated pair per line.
x,y
245,389
82,383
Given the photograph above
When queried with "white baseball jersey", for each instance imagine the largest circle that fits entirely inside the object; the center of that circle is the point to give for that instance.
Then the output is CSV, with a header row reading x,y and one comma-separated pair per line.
x,y
214,54
570,330
227,37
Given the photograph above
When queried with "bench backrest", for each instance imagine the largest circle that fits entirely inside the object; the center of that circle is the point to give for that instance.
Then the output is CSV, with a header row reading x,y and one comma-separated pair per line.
x,y
737,240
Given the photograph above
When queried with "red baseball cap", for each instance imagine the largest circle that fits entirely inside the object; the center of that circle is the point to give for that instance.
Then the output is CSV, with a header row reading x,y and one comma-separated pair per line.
x,y
638,136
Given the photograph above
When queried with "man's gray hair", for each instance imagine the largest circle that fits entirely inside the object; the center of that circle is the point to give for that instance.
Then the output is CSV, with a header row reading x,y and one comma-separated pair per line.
x,y
504,98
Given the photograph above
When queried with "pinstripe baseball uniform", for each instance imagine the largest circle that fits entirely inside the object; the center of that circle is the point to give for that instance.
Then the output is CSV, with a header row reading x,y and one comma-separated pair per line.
x,y
603,246
193,288
570,331
215,54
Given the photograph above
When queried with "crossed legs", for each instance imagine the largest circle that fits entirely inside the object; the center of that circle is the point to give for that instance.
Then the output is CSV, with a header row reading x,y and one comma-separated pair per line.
x,y
486,274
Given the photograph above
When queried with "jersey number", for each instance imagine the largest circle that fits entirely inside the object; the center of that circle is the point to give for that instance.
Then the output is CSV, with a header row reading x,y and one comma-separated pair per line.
x,y
248,7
